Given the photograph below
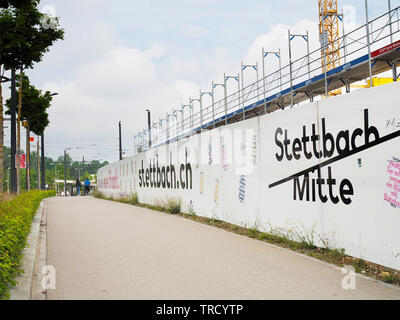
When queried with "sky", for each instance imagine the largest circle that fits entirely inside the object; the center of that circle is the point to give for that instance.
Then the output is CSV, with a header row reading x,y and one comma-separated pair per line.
x,y
120,58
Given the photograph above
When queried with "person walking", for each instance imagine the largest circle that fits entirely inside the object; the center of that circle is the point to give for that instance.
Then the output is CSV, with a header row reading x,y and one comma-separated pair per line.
x,y
87,186
78,187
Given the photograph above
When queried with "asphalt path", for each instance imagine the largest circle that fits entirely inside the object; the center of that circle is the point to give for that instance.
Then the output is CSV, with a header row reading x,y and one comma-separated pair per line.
x,y
107,250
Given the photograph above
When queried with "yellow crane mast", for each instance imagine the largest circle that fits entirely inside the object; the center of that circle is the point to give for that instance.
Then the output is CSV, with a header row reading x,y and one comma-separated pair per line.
x,y
329,27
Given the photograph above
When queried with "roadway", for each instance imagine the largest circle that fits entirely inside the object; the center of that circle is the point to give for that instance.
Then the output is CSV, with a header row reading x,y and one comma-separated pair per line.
x,y
108,250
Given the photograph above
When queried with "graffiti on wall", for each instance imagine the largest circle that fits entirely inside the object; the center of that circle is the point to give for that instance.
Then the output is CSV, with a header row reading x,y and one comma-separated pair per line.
x,y
392,194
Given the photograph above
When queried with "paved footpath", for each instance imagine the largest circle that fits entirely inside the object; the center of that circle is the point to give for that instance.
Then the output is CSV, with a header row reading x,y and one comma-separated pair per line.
x,y
107,250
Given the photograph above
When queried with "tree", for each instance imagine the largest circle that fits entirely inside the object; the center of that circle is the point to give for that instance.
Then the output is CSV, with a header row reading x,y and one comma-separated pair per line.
x,y
34,111
24,39
35,104
14,3
6,23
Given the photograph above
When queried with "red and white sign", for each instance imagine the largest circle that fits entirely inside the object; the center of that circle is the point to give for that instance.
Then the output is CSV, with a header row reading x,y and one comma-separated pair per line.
x,y
20,161
386,49
31,139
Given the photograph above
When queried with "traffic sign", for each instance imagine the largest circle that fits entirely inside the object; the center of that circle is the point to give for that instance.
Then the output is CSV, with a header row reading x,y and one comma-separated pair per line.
x,y
20,161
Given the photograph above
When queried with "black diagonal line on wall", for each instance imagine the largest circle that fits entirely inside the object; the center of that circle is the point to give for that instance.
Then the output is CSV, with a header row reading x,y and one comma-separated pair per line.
x,y
338,158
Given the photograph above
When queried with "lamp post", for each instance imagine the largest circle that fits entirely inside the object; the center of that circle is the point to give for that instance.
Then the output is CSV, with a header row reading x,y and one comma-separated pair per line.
x,y
2,80
120,141
65,171
42,163
149,125
13,134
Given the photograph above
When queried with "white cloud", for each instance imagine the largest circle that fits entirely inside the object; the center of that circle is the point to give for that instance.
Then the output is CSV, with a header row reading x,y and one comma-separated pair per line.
x,y
118,86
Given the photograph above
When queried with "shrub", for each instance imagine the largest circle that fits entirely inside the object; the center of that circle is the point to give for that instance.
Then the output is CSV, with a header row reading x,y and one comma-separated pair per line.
x,y
98,194
16,217
134,199
173,206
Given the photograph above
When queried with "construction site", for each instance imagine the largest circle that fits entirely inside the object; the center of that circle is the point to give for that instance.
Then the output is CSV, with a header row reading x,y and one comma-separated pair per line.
x,y
345,61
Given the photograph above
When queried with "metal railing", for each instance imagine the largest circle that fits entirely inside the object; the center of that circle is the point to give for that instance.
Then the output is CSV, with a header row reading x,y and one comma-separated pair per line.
x,y
285,81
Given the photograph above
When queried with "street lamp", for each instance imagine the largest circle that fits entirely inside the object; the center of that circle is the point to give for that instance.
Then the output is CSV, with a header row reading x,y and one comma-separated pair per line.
x,y
65,171
149,125
42,164
120,141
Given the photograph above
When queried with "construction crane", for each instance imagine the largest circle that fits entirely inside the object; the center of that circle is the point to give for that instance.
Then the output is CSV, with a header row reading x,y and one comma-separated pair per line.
x,y
329,29
329,35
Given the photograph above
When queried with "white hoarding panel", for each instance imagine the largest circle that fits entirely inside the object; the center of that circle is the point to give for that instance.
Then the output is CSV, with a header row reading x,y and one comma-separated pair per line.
x,y
327,172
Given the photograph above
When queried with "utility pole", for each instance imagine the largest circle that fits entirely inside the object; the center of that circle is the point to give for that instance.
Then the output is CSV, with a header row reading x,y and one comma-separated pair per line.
x,y
120,142
38,164
42,166
149,125
65,173
13,134
28,157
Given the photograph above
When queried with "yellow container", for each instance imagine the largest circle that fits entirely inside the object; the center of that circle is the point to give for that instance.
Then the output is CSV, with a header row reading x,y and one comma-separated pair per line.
x,y
376,82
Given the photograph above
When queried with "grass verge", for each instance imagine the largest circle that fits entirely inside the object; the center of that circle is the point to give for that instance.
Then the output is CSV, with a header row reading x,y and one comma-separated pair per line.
x,y
16,215
333,256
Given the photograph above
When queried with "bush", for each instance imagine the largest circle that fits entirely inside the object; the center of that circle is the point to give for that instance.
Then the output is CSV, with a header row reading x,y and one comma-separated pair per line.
x,y
16,217
99,195
173,206
134,199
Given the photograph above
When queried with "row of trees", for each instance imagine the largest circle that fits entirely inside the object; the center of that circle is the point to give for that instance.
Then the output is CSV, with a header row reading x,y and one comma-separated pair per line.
x,y
54,169
25,36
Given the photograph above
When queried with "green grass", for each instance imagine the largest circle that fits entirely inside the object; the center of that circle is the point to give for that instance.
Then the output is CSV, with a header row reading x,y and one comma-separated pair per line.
x,y
16,216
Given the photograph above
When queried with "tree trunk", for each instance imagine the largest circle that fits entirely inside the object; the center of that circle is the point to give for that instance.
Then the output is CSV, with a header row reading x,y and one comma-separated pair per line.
x,y
1,139
19,133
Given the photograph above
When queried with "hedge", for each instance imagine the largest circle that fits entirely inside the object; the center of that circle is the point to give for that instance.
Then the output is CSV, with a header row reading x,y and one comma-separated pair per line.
x,y
16,215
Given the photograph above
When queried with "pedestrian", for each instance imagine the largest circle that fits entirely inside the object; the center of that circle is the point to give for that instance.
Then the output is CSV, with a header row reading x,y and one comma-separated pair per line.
x,y
78,187
87,186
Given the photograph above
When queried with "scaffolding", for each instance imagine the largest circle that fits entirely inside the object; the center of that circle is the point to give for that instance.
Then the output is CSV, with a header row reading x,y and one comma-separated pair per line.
x,y
361,53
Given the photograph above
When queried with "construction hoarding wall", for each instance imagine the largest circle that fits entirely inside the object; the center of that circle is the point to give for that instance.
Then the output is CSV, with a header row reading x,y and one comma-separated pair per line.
x,y
327,172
